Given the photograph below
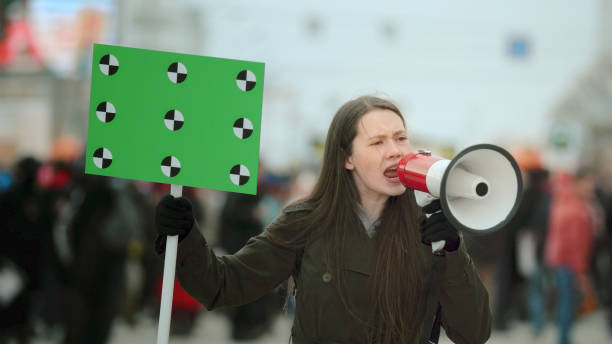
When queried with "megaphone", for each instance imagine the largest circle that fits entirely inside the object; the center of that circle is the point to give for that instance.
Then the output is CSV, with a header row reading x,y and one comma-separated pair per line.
x,y
479,189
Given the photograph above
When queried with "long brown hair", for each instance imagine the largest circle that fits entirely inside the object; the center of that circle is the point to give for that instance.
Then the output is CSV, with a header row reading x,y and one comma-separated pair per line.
x,y
397,279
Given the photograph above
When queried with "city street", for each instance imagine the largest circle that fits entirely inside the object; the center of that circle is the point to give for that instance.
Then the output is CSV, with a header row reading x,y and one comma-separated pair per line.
x,y
213,328
126,124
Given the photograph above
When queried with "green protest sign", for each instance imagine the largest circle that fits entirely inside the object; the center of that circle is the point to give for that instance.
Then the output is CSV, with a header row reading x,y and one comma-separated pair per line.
x,y
175,118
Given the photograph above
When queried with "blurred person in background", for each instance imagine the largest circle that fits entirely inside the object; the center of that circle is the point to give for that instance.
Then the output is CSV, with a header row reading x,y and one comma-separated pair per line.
x,y
608,210
519,248
138,286
531,237
602,258
142,253
5,178
569,243
357,247
275,192
102,221
56,178
302,184
530,249
26,218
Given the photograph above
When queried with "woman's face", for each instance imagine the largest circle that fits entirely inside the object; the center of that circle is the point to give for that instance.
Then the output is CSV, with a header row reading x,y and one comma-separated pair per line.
x,y
379,145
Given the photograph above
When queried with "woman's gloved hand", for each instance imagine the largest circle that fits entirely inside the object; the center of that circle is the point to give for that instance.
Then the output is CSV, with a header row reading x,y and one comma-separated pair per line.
x,y
436,227
173,216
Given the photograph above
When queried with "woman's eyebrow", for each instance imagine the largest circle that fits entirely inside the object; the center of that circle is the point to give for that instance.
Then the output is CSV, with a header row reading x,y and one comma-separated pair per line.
x,y
381,136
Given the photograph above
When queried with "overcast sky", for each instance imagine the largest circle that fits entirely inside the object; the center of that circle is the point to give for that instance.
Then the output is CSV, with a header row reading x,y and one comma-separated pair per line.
x,y
447,63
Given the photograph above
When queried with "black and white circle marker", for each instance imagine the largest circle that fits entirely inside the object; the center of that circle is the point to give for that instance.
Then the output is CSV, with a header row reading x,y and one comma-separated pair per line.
x,y
239,175
109,64
174,120
246,80
177,72
243,128
102,157
170,166
106,112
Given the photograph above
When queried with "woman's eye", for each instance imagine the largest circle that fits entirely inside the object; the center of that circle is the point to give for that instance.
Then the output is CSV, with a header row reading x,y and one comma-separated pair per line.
x,y
376,143
402,138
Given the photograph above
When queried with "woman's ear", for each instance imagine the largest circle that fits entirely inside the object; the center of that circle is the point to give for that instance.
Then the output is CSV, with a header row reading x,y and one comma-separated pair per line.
x,y
349,163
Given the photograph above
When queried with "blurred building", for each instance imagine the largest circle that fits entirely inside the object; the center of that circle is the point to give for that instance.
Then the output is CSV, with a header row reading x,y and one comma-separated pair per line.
x,y
488,70
177,26
581,127
463,72
45,61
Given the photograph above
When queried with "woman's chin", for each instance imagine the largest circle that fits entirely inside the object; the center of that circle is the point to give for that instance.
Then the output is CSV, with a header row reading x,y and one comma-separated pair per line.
x,y
396,189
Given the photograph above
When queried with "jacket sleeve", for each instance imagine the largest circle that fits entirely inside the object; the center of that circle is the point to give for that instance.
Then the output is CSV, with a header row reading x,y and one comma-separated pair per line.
x,y
466,316
231,280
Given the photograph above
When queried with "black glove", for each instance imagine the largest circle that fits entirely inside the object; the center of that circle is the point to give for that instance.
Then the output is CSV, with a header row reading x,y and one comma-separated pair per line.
x,y
173,216
437,227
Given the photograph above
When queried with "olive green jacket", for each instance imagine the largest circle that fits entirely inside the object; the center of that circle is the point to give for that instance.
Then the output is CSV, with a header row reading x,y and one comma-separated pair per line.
x,y
320,317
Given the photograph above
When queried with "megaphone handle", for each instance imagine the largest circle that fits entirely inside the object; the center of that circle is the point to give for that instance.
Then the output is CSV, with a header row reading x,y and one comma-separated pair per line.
x,y
423,199
437,246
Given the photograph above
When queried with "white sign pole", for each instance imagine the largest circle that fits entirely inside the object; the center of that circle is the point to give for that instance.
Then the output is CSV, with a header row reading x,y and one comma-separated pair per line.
x,y
165,311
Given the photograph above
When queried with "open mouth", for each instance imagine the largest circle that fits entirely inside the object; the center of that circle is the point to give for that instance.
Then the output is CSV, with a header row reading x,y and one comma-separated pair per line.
x,y
391,173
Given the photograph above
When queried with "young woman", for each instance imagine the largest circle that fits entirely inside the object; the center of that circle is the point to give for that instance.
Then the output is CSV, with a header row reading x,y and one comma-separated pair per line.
x,y
357,248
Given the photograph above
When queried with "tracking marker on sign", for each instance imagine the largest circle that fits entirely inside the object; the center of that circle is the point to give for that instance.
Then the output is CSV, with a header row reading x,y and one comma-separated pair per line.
x,y
106,112
170,166
243,128
246,80
109,64
177,72
102,157
174,120
239,175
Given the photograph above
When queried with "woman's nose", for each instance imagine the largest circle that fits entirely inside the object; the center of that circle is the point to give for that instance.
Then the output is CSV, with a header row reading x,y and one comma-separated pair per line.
x,y
394,150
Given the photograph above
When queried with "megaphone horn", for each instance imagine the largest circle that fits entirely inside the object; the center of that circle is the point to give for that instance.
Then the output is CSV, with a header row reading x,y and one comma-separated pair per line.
x,y
479,189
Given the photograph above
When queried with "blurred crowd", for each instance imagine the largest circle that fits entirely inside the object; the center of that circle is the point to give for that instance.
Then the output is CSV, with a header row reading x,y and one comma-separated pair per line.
x,y
77,250
552,261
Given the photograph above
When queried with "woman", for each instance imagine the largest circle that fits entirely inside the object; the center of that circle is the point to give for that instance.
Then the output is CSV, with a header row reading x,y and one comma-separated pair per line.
x,y
355,247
